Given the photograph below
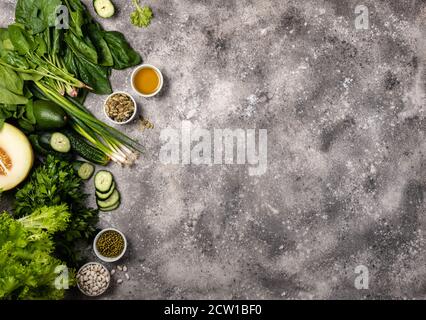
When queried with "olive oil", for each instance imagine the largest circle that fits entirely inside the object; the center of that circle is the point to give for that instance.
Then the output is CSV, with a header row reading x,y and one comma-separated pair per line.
x,y
146,81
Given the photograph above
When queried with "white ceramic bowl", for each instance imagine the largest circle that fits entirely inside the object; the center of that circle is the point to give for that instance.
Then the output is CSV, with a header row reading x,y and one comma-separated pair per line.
x,y
160,85
107,259
134,113
106,288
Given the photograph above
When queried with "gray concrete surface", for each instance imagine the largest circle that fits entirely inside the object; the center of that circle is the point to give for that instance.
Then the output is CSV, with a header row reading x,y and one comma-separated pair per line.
x,y
345,183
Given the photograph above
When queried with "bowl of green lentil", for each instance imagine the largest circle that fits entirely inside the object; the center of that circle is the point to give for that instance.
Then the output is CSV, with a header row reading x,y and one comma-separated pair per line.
x,y
110,245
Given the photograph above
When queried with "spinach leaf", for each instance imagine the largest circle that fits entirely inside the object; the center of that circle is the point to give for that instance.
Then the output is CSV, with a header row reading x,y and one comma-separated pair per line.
x,y
30,76
94,76
104,54
14,59
77,15
37,15
8,97
11,80
80,47
27,119
124,56
21,40
41,46
70,63
57,38
5,42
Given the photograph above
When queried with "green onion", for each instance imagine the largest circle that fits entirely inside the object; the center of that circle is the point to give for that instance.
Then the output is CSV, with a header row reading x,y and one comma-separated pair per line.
x,y
116,145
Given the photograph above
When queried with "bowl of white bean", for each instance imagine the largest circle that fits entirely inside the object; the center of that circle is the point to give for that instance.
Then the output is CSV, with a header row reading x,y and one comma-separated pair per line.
x,y
93,279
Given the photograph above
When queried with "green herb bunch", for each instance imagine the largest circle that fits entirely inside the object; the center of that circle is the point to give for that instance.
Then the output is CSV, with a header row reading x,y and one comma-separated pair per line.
x,y
54,183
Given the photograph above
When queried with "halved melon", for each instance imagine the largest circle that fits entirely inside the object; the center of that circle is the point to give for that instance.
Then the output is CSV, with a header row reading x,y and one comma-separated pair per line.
x,y
16,157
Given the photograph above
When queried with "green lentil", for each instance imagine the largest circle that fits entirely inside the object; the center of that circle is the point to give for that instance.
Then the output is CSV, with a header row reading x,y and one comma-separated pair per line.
x,y
110,244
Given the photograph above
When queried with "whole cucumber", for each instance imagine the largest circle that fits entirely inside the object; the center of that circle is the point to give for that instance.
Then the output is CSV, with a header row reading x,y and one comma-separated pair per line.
x,y
86,150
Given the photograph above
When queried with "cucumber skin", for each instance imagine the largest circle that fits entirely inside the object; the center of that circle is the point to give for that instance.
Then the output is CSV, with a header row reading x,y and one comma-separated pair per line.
x,y
112,208
85,150
103,203
40,150
105,195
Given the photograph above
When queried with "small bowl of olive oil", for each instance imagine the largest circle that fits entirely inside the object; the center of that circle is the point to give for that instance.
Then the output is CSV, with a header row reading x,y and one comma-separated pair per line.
x,y
110,245
147,80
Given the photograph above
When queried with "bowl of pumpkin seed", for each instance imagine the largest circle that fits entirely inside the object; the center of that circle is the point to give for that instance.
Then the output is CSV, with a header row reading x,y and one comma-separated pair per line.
x,y
110,245
120,107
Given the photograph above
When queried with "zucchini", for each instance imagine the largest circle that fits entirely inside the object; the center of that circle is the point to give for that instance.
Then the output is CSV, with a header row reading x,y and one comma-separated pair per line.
x,y
111,201
112,208
103,181
86,150
105,195
104,8
84,170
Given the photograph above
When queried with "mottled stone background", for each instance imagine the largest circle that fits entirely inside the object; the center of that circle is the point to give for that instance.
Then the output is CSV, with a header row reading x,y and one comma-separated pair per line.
x,y
346,178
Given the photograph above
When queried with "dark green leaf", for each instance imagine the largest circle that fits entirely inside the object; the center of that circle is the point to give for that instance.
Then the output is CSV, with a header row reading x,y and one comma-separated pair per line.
x,y
124,56
80,47
95,76
70,63
104,53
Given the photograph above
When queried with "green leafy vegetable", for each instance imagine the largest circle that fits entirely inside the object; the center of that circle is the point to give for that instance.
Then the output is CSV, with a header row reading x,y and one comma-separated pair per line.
x,y
124,56
55,183
28,269
14,82
142,16
37,15
81,48
104,53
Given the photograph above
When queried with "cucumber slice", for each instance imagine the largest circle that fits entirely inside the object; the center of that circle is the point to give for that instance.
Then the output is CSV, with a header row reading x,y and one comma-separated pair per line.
x,y
104,8
103,181
84,170
60,142
104,196
111,201
112,208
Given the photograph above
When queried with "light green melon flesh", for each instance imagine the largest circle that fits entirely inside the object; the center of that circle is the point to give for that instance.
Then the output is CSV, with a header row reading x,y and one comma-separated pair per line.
x,y
16,157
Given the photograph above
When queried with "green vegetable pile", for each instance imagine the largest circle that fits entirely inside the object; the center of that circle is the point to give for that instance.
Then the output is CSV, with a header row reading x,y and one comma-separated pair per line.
x,y
45,74
56,183
28,269
40,59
